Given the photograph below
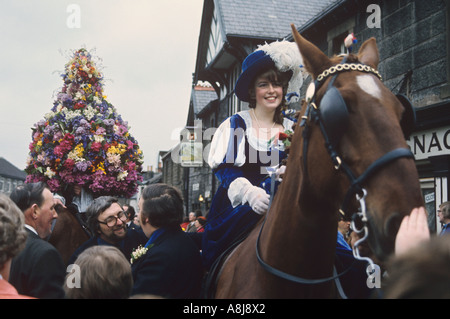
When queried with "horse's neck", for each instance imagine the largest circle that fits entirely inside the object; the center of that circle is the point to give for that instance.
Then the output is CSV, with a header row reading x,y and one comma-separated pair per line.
x,y
300,232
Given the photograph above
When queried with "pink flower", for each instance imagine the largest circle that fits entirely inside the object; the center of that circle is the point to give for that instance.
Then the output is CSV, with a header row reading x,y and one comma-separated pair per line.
x,y
69,164
96,146
54,184
59,151
130,145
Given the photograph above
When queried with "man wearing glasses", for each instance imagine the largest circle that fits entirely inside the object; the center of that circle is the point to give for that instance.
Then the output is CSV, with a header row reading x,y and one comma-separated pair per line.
x,y
107,221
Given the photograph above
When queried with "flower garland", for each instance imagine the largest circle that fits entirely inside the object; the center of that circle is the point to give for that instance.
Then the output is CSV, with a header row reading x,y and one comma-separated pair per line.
x,y
82,140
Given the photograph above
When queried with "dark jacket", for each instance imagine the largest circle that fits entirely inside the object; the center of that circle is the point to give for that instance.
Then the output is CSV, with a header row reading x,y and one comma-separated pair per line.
x,y
171,268
38,270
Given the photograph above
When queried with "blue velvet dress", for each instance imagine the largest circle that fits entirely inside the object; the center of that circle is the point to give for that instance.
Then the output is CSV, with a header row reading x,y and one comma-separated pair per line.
x,y
235,153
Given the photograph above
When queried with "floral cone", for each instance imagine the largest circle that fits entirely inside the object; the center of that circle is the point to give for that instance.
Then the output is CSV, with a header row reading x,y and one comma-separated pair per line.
x,y
83,141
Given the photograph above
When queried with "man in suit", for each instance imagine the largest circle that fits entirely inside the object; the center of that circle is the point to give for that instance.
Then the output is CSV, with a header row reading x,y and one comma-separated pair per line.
x,y
38,271
131,214
107,221
169,265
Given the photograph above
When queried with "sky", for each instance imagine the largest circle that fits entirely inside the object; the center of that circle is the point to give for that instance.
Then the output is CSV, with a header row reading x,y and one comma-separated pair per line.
x,y
147,50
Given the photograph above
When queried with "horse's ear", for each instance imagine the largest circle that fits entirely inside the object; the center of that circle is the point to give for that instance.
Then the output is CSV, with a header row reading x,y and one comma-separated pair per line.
x,y
315,60
368,53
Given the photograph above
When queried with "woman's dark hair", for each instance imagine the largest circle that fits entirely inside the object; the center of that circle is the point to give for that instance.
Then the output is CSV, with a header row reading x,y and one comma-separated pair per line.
x,y
202,220
274,76
162,205
24,196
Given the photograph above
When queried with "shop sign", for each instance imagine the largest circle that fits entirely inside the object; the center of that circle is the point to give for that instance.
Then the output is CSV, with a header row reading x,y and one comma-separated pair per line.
x,y
434,142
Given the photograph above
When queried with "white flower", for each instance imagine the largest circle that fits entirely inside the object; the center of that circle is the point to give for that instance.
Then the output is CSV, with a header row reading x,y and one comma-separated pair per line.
x,y
49,173
89,112
121,176
97,100
137,253
99,138
49,115
71,114
79,96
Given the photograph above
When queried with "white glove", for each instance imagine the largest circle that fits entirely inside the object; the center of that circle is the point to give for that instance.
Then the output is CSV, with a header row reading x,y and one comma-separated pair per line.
x,y
258,199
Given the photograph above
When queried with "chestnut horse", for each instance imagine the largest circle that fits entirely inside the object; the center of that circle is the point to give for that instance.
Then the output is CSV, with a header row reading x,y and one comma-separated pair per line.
x,y
68,233
365,154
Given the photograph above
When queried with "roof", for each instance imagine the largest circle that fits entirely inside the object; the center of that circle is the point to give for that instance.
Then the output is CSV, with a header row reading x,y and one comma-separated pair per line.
x,y
268,18
9,170
201,96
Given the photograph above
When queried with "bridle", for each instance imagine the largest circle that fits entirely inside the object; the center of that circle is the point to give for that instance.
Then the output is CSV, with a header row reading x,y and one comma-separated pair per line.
x,y
332,117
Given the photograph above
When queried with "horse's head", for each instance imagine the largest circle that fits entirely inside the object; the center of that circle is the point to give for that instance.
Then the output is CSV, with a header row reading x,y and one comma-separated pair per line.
x,y
359,121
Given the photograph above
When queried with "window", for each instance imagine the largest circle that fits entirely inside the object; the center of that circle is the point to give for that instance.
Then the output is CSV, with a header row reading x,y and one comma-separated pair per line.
x,y
338,46
337,35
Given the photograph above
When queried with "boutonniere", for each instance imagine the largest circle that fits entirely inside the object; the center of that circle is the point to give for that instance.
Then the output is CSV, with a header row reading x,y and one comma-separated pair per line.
x,y
139,252
282,137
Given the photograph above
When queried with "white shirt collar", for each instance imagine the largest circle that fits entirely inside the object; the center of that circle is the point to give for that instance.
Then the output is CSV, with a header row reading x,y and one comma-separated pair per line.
x,y
31,228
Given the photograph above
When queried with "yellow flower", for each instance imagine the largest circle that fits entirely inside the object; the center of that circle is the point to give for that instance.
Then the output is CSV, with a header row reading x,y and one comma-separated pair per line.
x,y
119,149
79,150
100,167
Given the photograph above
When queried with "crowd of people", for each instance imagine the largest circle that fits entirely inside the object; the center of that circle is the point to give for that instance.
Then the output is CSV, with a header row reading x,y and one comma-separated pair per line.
x,y
156,254
118,261
109,266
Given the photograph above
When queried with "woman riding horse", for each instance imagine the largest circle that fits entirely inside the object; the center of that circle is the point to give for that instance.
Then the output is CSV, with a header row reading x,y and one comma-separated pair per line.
x,y
246,143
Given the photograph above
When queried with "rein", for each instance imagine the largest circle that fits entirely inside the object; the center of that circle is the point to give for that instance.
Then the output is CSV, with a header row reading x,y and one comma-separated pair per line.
x,y
313,112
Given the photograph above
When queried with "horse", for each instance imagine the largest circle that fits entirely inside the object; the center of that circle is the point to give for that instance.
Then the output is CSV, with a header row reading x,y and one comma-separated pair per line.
x,y
68,233
348,153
